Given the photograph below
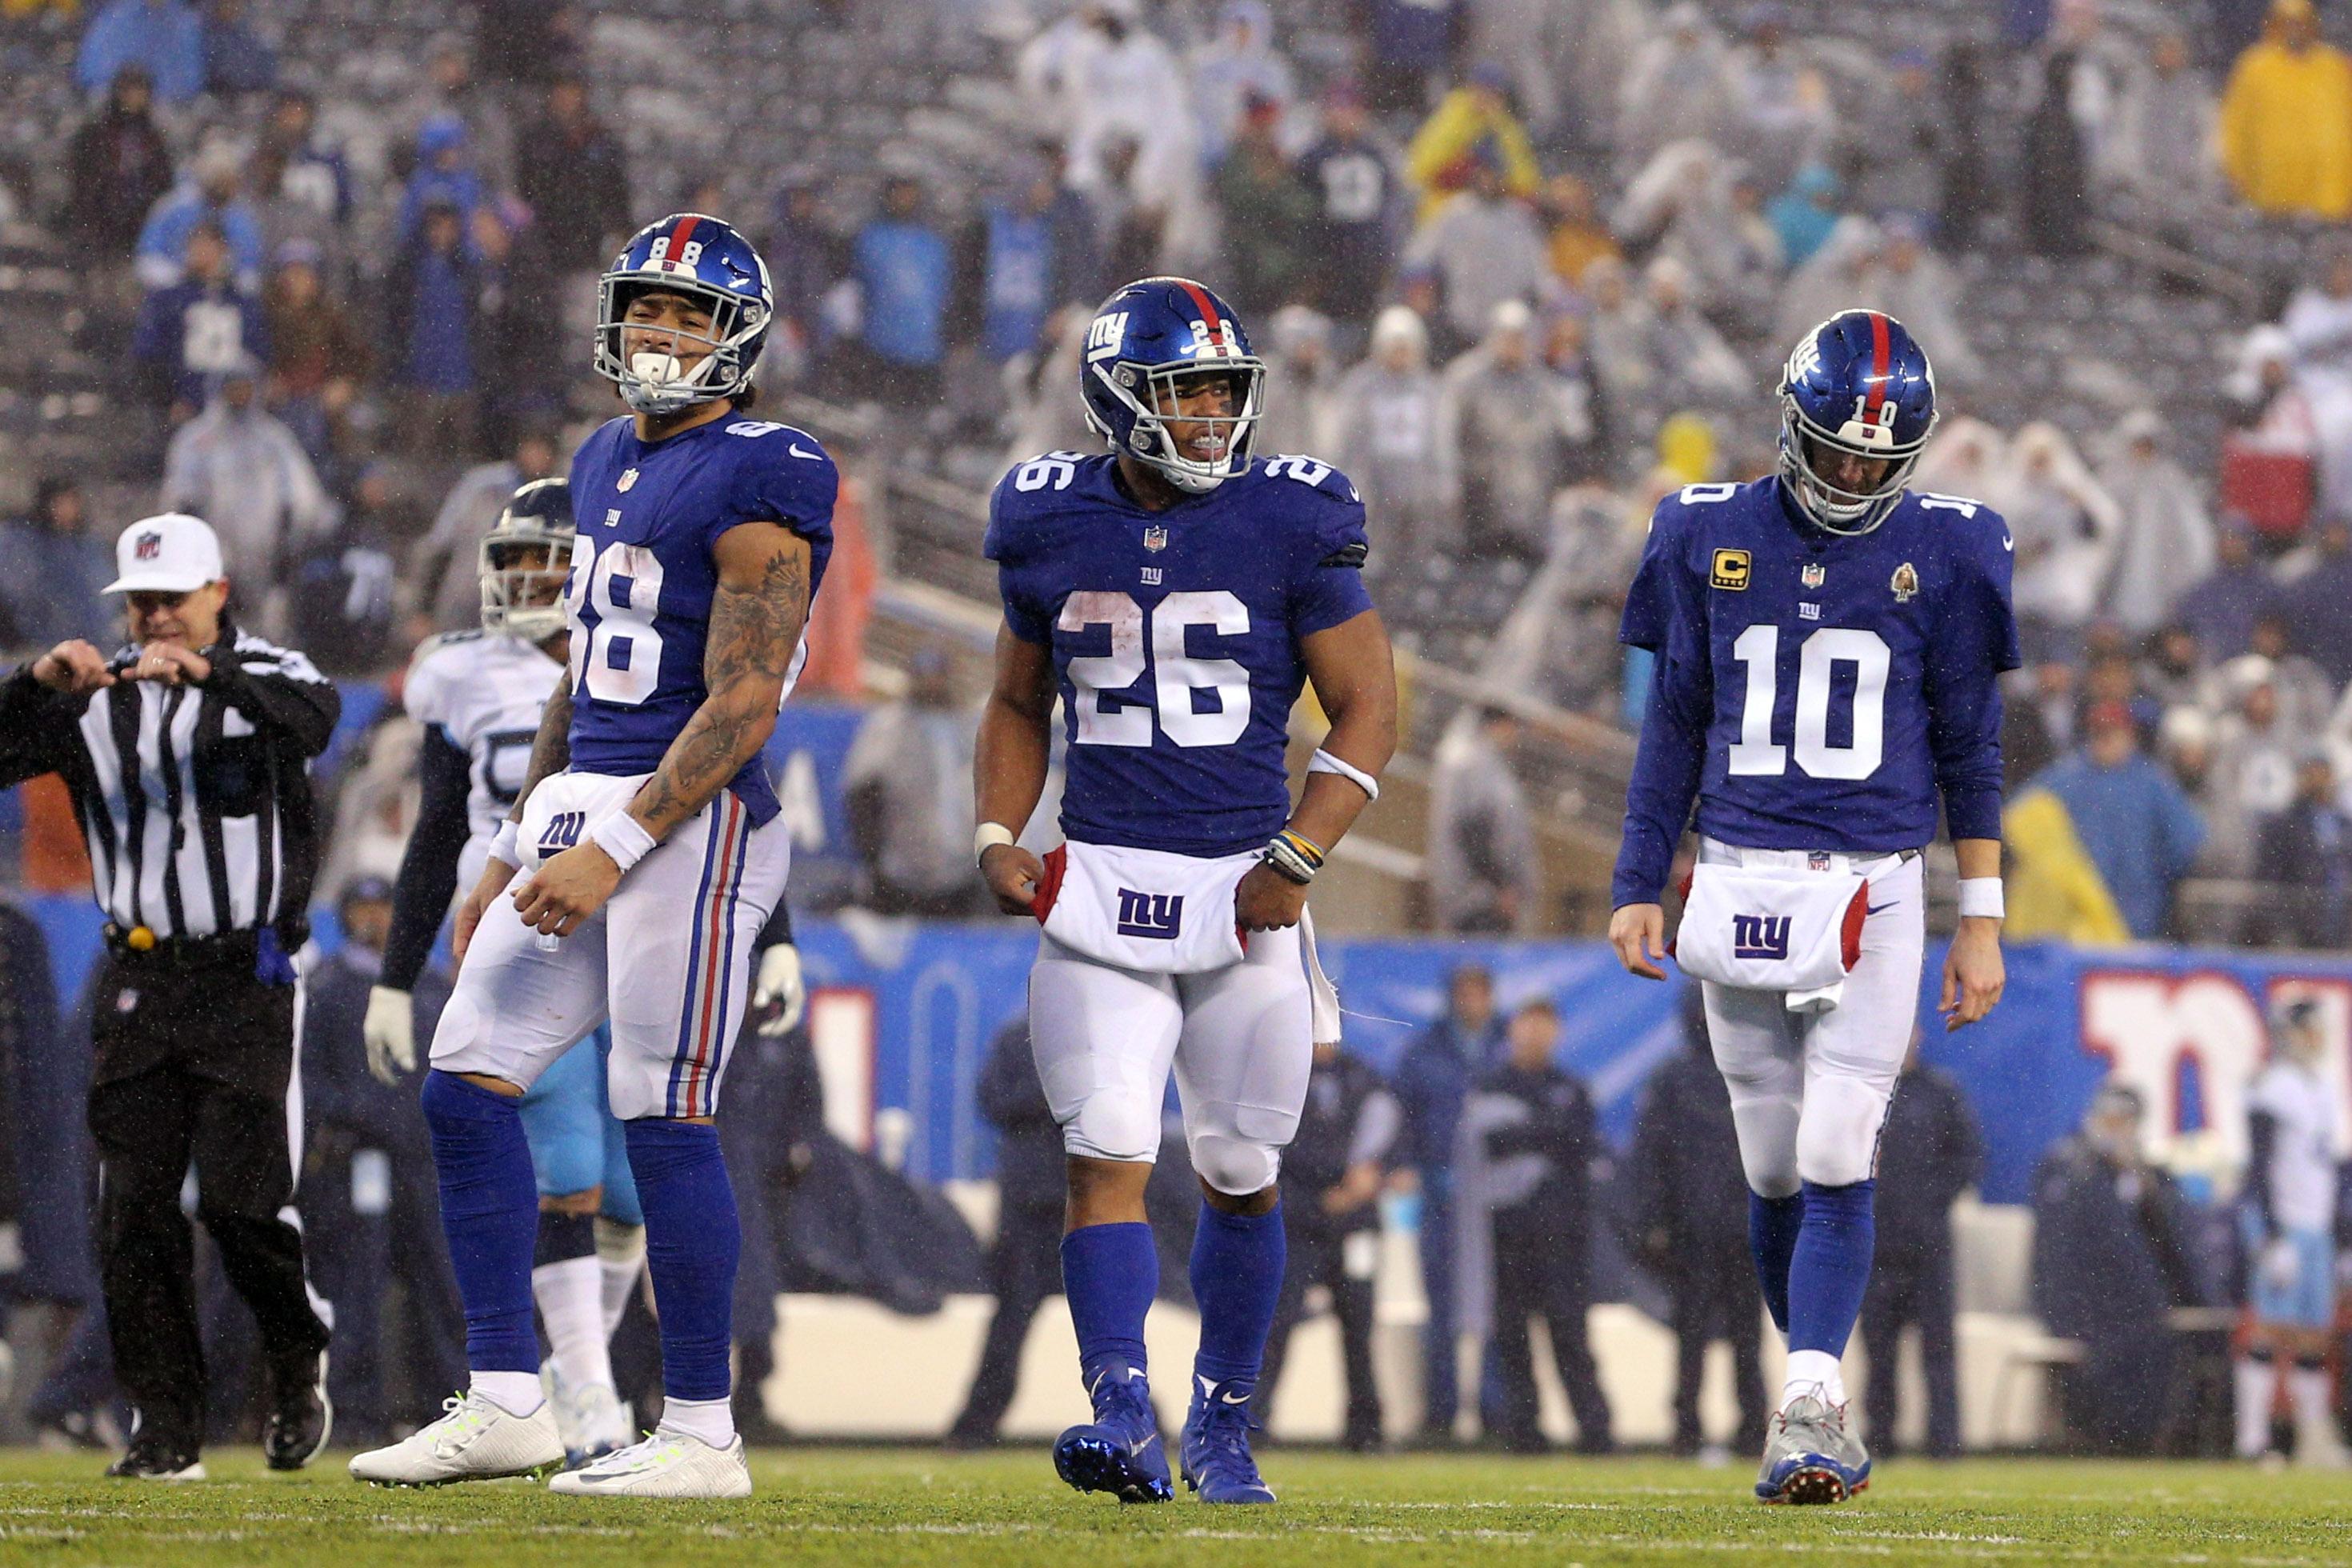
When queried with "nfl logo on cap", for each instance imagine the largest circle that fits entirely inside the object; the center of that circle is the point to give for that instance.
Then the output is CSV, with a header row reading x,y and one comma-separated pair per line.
x,y
150,545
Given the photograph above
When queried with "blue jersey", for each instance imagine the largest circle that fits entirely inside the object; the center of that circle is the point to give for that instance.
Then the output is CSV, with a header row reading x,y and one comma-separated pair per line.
x,y
1815,691
643,574
1175,637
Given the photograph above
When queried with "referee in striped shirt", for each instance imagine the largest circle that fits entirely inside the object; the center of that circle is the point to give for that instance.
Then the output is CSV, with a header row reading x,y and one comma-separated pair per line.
x,y
188,756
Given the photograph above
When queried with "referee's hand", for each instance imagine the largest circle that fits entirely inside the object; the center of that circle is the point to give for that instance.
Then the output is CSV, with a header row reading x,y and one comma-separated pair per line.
x,y
390,1031
73,668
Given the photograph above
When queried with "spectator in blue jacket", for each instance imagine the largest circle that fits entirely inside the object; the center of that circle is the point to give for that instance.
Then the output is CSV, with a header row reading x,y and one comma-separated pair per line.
x,y
904,267
199,326
2222,609
213,193
1433,1075
431,338
2139,827
53,567
237,60
163,37
1032,251
444,175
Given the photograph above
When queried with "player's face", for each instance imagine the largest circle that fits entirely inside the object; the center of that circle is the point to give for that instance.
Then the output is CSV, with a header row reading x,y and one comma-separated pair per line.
x,y
672,324
1849,471
533,580
1197,409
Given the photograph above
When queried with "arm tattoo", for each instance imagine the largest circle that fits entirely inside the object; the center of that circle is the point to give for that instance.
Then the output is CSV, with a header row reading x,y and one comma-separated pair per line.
x,y
755,634
551,749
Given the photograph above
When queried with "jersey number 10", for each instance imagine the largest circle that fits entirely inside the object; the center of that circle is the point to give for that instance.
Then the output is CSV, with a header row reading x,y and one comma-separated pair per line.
x,y
1757,754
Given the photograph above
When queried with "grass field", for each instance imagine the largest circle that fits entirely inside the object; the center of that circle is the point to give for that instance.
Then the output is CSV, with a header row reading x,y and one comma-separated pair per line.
x,y
905,1506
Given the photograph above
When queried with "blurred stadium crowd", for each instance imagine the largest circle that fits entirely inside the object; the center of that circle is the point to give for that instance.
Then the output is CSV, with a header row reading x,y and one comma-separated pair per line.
x,y
322,273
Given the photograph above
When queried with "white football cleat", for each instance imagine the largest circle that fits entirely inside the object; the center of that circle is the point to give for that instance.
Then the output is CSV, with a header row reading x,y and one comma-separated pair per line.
x,y
666,1464
477,1439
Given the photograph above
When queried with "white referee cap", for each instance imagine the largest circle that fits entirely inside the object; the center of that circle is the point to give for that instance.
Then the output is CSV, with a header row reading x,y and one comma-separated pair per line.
x,y
172,553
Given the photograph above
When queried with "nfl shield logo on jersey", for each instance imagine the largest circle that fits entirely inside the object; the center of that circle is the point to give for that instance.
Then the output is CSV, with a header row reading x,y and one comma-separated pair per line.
x,y
1813,575
1155,538
628,477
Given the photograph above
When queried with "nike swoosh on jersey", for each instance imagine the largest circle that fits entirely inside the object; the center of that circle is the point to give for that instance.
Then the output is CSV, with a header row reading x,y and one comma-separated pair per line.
x,y
1876,908
2008,541
794,448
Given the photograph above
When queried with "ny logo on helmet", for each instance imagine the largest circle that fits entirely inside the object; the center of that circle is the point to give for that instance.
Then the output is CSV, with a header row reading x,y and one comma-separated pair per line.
x,y
1103,337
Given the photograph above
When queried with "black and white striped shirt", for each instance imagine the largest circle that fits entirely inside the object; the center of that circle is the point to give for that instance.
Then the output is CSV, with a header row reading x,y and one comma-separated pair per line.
x,y
196,799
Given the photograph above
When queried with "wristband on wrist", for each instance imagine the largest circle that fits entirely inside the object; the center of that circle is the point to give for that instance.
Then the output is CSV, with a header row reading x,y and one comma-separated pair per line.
x,y
987,836
506,843
624,838
1980,898
1323,761
1295,855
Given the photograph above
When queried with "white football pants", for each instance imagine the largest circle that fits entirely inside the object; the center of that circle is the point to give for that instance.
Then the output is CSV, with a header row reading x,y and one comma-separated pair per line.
x,y
1238,1039
668,959
1809,1092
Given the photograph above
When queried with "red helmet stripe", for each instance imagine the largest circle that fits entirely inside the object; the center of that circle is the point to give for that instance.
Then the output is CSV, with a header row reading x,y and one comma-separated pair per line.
x,y
685,232
1882,351
1208,309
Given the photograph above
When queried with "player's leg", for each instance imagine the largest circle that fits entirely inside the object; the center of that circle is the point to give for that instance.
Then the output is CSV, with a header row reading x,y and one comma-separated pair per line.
x,y
1852,1056
1103,1039
678,999
620,1219
2318,1442
1754,1040
1241,1068
517,1007
563,1118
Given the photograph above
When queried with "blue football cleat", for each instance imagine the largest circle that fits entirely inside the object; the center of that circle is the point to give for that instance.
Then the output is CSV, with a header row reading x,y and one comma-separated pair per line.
x,y
1216,1445
1810,1457
1119,1451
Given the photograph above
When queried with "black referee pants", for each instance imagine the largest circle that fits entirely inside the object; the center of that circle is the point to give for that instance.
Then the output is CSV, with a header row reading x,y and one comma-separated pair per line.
x,y
194,1064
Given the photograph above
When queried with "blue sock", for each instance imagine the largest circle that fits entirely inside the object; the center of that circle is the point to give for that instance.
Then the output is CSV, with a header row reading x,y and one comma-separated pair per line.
x,y
692,1242
1773,1227
1831,1266
489,1212
1110,1273
1237,1263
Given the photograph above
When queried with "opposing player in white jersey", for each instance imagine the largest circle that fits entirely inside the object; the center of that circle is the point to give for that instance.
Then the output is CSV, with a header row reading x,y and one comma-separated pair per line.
x,y
1828,646
2289,1204
638,867
479,696
1175,593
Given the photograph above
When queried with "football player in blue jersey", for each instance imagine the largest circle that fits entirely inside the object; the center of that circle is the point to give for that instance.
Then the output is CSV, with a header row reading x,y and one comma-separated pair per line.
x,y
479,696
647,843
1827,649
1175,593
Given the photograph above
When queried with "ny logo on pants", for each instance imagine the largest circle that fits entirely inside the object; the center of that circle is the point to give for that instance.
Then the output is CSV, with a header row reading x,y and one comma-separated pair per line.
x,y
1760,936
1152,915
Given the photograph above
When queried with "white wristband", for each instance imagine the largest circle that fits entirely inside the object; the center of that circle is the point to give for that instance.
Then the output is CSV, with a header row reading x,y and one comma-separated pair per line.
x,y
506,843
1980,898
1323,761
624,838
987,836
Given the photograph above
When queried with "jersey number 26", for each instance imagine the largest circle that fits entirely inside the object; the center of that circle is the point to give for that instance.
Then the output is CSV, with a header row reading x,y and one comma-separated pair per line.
x,y
1177,676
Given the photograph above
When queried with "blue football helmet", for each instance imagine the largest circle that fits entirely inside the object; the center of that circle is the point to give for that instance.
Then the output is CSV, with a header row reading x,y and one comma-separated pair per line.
x,y
1856,385
524,560
710,263
1146,340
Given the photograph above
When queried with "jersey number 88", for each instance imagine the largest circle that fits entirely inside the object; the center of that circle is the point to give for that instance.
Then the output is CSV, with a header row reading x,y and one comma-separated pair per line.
x,y
618,660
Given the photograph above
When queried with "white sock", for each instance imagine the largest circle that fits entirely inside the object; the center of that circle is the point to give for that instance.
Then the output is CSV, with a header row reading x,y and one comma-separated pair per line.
x,y
2314,1421
1813,1373
620,1262
2257,1389
711,1421
516,1392
571,1305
